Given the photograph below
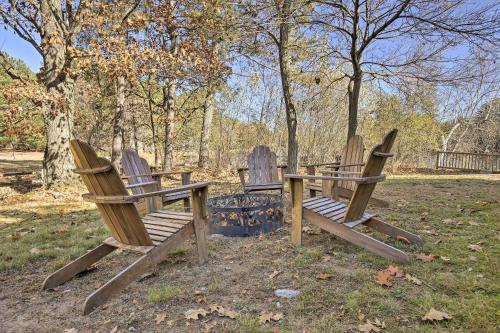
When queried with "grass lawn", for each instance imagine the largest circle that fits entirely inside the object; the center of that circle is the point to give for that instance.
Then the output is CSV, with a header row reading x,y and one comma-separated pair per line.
x,y
42,230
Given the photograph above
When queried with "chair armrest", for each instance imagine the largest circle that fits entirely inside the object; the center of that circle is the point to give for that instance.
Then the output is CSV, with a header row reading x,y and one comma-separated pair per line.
x,y
340,172
141,184
359,180
319,164
170,191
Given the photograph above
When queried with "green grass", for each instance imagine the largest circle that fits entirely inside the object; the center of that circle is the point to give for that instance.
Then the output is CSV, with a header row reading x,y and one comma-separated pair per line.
x,y
163,293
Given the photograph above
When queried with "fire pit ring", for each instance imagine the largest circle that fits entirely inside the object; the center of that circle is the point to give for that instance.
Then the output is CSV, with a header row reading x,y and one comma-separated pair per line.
x,y
243,215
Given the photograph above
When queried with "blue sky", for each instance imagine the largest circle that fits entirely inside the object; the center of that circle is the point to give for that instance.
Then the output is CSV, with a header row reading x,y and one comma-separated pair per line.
x,y
19,48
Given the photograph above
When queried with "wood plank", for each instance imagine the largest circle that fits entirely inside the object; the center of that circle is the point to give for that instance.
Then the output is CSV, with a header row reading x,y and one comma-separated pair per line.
x,y
317,203
170,215
357,238
113,242
327,206
393,231
296,191
154,232
76,266
162,228
337,207
373,168
166,223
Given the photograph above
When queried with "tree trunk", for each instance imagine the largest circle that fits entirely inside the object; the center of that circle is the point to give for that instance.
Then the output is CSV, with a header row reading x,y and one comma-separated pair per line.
x,y
153,125
58,115
169,117
208,112
353,93
118,121
57,159
284,62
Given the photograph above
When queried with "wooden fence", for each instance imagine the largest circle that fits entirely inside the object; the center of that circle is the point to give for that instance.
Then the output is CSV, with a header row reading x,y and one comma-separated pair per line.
x,y
468,161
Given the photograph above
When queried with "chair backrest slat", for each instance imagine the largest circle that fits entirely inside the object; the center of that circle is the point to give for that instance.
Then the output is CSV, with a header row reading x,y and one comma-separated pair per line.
x,y
133,164
262,166
373,167
122,220
352,154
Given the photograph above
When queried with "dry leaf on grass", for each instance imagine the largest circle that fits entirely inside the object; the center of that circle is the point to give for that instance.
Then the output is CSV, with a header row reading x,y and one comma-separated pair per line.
x,y
274,274
200,300
35,250
403,239
223,312
413,279
248,247
195,314
114,330
426,257
384,278
473,223
268,316
199,292
396,271
71,330
368,327
160,317
325,276
475,247
326,258
360,315
434,314
452,222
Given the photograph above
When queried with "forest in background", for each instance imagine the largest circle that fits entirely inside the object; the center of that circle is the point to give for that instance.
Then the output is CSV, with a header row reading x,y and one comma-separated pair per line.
x,y
202,82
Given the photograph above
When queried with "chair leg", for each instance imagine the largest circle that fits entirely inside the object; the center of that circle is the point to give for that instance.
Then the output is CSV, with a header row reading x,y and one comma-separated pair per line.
x,y
199,197
187,205
116,284
393,231
76,266
357,238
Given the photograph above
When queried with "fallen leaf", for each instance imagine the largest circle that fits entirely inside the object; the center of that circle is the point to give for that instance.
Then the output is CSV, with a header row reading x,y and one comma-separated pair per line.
x,y
325,276
199,292
268,316
452,222
200,300
434,314
170,323
274,274
384,278
378,323
475,247
368,327
223,312
114,330
396,271
413,279
431,232
426,257
195,314
71,330
248,247
360,315
160,317
35,250
326,258
403,239
474,223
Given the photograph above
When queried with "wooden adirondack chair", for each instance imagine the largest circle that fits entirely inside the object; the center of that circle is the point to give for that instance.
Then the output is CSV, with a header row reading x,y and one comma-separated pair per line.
x,y
341,219
138,172
351,160
262,171
154,236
